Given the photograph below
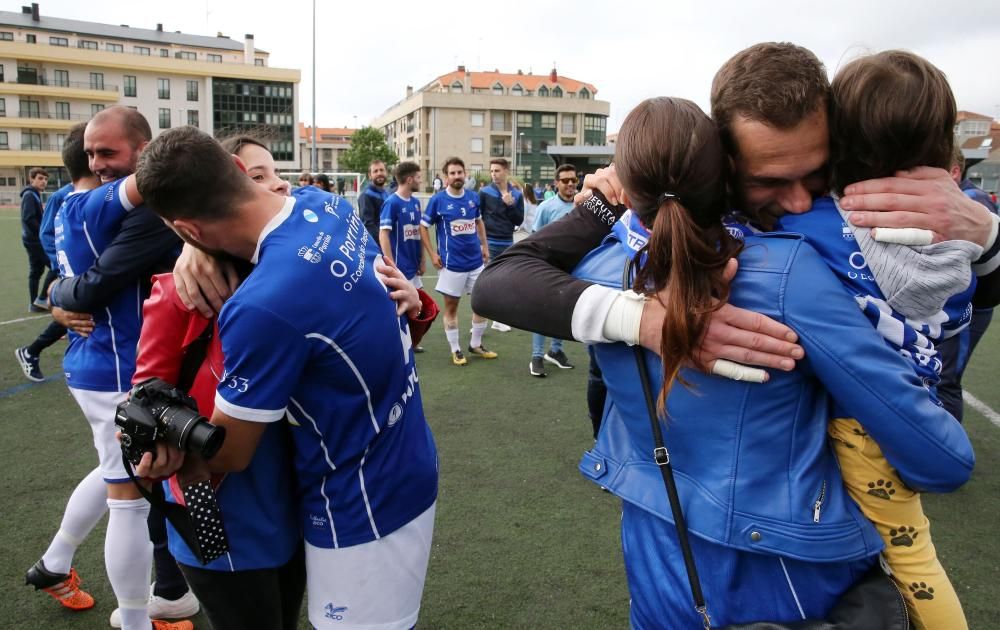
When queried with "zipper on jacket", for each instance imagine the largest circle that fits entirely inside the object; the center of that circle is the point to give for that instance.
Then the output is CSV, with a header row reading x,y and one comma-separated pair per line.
x,y
818,505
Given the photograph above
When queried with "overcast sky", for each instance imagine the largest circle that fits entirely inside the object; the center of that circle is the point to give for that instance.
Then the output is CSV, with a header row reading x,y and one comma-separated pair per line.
x,y
368,52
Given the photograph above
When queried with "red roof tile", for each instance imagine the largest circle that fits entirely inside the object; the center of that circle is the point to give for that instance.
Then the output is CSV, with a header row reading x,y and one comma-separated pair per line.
x,y
486,80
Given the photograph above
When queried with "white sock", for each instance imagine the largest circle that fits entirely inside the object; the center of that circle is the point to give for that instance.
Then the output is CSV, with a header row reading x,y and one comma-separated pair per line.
x,y
85,507
452,335
128,556
477,333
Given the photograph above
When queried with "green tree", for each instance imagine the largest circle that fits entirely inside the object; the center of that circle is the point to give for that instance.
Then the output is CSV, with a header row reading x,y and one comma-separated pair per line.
x,y
367,144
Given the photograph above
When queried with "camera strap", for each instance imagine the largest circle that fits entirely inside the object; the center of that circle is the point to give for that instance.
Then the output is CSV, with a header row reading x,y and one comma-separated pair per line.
x,y
199,524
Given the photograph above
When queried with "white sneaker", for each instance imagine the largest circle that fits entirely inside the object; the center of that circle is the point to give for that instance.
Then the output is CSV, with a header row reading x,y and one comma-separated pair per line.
x,y
160,608
500,327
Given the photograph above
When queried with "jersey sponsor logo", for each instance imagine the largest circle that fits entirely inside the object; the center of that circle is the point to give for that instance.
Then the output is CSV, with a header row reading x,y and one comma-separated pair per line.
x,y
310,216
461,227
334,612
319,522
310,254
395,414
846,232
411,232
736,233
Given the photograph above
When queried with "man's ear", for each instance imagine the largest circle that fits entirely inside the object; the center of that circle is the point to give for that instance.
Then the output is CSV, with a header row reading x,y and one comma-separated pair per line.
x,y
239,163
188,230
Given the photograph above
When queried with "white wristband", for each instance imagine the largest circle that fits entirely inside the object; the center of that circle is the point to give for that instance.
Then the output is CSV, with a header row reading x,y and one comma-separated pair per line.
x,y
738,371
622,323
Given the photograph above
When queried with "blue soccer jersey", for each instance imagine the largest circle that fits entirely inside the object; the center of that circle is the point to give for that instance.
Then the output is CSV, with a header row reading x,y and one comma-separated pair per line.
x,y
312,334
457,237
84,226
401,217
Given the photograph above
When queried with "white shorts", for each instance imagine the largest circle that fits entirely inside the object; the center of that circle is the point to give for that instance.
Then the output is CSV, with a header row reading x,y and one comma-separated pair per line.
x,y
457,283
372,586
99,409
416,281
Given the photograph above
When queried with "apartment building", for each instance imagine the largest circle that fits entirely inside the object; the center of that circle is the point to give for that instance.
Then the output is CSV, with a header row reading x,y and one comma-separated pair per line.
x,y
57,72
331,142
482,115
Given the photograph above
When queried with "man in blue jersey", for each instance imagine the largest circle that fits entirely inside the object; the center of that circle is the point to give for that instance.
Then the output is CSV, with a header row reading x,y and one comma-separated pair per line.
x,y
107,248
548,211
372,197
28,356
502,208
399,225
365,459
461,252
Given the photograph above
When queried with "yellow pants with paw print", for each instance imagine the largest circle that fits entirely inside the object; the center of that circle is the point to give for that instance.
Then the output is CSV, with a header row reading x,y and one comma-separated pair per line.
x,y
897,514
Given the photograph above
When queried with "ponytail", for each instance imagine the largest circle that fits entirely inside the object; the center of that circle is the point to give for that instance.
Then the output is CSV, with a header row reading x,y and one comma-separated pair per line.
x,y
684,270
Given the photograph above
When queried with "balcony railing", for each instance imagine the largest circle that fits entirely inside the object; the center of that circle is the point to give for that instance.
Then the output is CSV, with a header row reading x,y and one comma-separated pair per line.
x,y
40,147
83,85
49,115
495,126
503,151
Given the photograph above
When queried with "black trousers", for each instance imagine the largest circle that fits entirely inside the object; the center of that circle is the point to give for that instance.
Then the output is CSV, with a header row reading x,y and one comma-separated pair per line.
x,y
955,354
261,598
52,333
37,262
597,392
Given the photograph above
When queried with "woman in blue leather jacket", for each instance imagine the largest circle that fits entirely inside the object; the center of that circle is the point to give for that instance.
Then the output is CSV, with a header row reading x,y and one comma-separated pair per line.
x,y
774,535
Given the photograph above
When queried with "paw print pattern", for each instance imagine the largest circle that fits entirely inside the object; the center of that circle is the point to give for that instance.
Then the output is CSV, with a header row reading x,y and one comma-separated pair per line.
x,y
920,590
882,489
859,432
903,536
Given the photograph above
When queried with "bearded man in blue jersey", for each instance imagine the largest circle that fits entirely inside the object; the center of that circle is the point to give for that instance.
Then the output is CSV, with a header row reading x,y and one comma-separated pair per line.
x,y
462,251
365,460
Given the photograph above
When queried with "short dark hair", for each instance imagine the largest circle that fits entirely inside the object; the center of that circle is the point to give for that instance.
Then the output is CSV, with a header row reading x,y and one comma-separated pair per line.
x,y
323,180
404,170
234,144
502,162
890,111
186,174
450,161
306,176
776,83
35,172
134,124
73,155
565,167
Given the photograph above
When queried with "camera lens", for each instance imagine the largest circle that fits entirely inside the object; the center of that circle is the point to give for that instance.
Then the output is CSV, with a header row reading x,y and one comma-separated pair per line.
x,y
189,431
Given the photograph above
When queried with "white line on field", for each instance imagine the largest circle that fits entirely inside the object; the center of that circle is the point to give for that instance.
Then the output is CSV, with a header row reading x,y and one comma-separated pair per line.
x,y
23,319
984,410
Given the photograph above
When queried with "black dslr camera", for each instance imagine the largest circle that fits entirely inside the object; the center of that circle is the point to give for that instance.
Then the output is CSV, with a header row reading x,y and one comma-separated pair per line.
x,y
157,410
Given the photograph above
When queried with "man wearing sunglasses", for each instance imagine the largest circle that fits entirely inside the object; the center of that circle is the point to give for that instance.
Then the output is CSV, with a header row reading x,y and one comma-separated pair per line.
x,y
548,211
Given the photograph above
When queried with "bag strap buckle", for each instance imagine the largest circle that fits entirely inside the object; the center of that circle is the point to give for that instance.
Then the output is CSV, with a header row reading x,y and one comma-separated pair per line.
x,y
661,456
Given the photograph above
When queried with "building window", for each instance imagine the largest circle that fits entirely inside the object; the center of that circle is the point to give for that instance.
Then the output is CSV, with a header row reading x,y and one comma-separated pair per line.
x,y
62,110
193,117
547,172
476,145
185,54
89,44
3,140
476,118
163,88
548,121
568,142
584,93
214,58
114,48
128,86
95,108
97,80
61,78
498,89
543,91
58,41
141,50
499,121
60,140
3,107
29,38
594,123
31,142
242,105
192,90
569,123
524,121
258,62
456,87
525,146
164,118
164,52
517,90
499,147
557,92
6,36
29,109
543,146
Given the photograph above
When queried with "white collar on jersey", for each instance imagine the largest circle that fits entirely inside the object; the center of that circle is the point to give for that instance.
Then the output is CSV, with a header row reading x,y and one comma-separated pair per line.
x,y
278,219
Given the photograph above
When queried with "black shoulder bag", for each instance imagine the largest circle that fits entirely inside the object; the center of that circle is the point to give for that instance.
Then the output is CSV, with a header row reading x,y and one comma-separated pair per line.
x,y
873,603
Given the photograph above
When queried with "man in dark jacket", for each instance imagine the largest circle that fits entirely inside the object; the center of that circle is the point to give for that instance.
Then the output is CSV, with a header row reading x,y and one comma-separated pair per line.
x,y
372,197
31,221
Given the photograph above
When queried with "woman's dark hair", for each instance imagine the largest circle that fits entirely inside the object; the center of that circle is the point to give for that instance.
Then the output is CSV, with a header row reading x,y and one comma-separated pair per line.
x,y
529,194
674,169
234,144
323,181
889,112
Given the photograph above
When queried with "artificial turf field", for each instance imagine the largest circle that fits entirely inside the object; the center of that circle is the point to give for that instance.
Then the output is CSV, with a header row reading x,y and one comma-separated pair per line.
x,y
521,540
